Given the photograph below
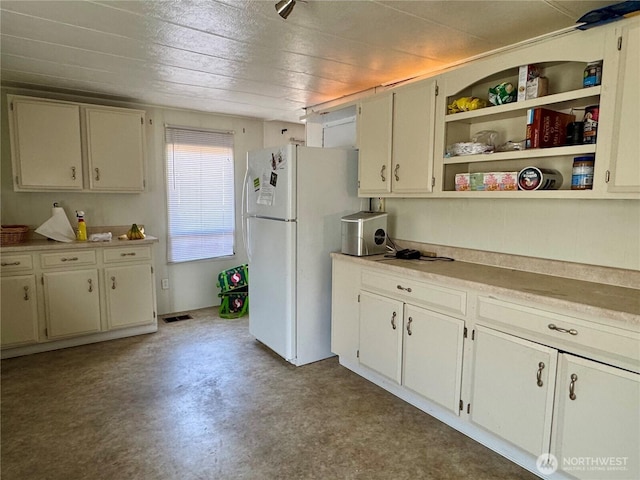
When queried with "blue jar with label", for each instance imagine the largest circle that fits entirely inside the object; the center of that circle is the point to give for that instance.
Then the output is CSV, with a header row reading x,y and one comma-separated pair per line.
x,y
592,74
582,174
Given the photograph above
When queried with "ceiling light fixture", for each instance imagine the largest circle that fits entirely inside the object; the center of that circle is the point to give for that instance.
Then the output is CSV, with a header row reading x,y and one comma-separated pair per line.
x,y
285,7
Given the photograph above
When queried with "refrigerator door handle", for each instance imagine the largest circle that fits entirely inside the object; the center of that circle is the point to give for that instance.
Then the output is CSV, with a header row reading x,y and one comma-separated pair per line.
x,y
245,216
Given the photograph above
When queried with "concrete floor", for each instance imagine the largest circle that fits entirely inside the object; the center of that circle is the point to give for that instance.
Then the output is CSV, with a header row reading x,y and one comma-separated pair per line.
x,y
201,399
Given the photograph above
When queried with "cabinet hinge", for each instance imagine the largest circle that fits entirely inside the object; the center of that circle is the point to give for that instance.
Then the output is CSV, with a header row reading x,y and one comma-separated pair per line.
x,y
151,269
144,184
46,332
464,335
619,43
141,121
11,106
468,408
42,280
17,182
461,406
437,90
473,334
357,353
154,314
433,181
358,298
607,176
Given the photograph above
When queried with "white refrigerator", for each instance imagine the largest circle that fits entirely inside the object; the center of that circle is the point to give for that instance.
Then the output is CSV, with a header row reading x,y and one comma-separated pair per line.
x,y
293,200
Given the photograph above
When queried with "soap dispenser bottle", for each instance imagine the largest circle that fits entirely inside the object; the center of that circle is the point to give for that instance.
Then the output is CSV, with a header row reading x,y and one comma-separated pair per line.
x,y
82,226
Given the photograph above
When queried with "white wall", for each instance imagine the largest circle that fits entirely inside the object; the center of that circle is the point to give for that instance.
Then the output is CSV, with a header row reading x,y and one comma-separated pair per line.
x,y
192,284
594,232
280,133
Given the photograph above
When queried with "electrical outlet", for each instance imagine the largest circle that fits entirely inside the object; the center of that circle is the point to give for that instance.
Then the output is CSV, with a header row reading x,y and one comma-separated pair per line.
x,y
165,284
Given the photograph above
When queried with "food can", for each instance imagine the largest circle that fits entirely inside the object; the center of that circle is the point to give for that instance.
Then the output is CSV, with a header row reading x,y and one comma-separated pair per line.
x,y
582,178
534,178
592,74
590,127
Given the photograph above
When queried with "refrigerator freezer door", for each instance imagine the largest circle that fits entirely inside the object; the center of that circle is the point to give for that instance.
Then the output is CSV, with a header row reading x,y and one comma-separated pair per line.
x,y
272,279
270,183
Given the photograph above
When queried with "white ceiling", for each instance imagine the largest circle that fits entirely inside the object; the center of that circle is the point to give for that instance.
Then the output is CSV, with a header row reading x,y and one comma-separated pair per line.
x,y
239,57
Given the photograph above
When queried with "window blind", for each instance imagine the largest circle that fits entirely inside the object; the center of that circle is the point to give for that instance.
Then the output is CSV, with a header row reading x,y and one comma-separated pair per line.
x,y
200,194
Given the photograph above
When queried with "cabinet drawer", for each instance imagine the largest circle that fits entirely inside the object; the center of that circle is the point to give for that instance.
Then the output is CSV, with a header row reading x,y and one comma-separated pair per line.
x,y
562,331
68,258
16,263
417,292
128,254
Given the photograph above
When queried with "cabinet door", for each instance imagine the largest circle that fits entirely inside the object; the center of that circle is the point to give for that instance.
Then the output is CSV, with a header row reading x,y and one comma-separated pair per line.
x,y
381,334
512,389
597,429
432,364
345,286
72,303
130,299
19,310
115,149
625,147
45,142
413,135
374,144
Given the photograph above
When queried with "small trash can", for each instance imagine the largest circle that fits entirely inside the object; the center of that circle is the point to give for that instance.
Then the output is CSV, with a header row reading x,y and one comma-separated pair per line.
x,y
234,291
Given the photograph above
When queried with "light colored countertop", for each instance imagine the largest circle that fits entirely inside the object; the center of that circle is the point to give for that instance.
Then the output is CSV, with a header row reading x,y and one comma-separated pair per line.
x,y
601,301
37,245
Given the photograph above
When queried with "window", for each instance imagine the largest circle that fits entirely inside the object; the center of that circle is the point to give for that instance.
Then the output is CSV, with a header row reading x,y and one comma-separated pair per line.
x,y
200,194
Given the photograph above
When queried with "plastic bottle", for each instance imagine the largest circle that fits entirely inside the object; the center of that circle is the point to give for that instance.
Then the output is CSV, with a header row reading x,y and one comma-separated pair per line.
x,y
82,227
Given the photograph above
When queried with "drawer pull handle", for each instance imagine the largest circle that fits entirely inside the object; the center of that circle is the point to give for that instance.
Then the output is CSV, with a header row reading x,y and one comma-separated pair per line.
x,y
97,174
400,287
73,173
572,386
132,254
395,172
409,326
384,167
69,259
571,331
7,264
113,283
540,368
90,285
393,321
26,292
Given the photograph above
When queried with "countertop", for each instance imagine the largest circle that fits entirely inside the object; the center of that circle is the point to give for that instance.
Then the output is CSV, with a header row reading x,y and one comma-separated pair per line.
x,y
37,245
601,301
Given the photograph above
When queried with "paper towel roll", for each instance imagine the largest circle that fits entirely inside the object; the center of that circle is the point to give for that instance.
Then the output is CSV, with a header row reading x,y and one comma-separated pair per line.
x,y
57,227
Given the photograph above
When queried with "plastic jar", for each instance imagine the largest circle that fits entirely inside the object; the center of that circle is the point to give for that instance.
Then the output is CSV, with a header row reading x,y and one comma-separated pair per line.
x,y
582,174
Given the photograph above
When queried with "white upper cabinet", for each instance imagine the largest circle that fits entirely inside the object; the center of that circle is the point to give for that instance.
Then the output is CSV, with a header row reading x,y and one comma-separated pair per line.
x,y
624,136
395,138
57,145
115,149
45,144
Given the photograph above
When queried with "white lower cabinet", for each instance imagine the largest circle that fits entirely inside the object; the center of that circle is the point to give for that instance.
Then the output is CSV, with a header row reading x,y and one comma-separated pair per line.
x,y
512,389
433,355
596,420
415,347
381,335
72,303
19,312
129,292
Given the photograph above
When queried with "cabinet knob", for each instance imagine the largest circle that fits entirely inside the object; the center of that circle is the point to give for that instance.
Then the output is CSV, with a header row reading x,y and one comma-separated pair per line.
x,y
97,174
393,320
384,167
113,283
26,292
90,285
572,386
395,171
409,326
539,376
73,173
406,289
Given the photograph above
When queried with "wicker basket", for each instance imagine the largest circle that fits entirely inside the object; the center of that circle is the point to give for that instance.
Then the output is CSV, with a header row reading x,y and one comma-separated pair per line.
x,y
13,234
